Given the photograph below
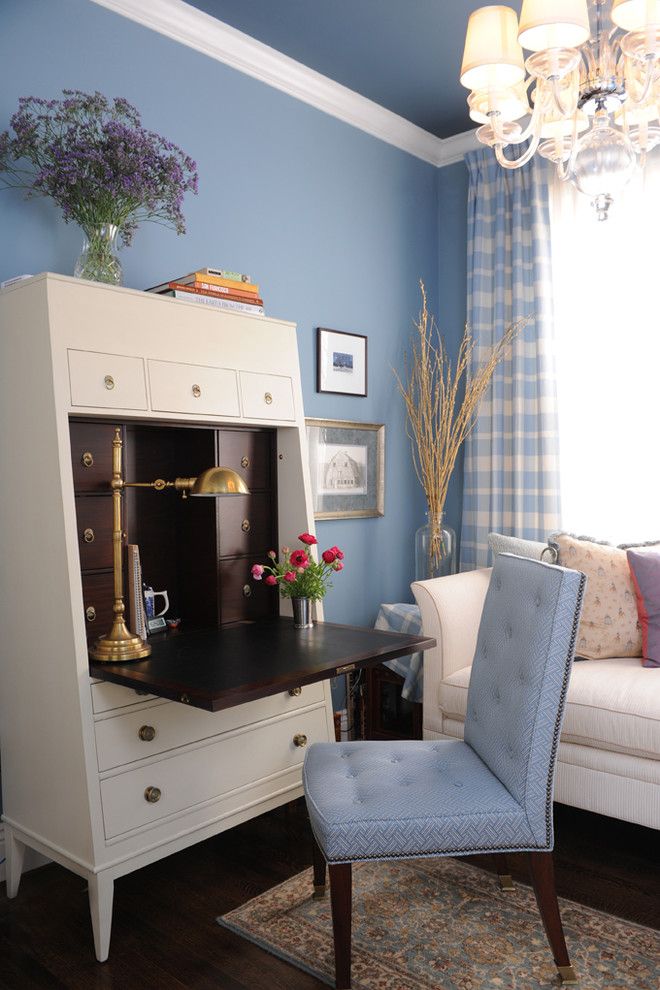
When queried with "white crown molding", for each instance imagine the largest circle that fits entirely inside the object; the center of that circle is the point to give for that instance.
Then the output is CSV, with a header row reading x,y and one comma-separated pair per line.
x,y
206,34
456,147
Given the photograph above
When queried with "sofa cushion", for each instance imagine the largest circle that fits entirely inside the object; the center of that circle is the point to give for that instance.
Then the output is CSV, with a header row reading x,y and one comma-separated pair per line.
x,y
612,704
609,626
645,572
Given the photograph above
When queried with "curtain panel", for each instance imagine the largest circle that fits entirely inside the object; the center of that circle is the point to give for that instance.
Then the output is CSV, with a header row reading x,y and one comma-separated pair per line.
x,y
511,482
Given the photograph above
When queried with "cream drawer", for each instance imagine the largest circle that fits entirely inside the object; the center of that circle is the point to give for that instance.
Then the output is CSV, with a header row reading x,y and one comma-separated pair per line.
x,y
193,388
107,381
266,396
185,780
136,735
106,696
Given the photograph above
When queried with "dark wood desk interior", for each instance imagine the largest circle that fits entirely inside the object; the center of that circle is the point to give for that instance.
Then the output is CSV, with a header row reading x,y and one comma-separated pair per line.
x,y
219,668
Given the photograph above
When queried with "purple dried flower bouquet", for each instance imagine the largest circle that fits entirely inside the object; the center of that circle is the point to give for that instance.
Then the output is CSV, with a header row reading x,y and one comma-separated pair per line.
x,y
104,170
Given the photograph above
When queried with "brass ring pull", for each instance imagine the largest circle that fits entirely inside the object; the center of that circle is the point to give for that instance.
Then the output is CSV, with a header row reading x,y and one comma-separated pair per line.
x,y
295,692
152,794
300,740
88,535
109,382
185,699
245,525
245,462
90,613
268,398
147,733
247,591
196,391
87,459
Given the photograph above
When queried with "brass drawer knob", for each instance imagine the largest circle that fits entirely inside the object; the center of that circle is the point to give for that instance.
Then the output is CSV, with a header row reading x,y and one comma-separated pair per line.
x,y
87,459
90,613
152,794
196,391
109,382
300,740
268,398
295,692
88,535
247,591
147,733
245,525
245,462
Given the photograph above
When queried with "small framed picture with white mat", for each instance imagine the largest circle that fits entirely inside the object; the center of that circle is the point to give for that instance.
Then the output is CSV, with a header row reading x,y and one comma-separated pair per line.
x,y
341,362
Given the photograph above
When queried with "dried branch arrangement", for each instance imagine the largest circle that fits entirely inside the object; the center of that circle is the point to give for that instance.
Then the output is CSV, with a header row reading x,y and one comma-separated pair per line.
x,y
438,422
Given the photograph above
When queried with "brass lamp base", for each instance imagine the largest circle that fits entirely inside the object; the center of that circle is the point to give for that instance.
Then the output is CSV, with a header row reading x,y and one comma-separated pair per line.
x,y
120,644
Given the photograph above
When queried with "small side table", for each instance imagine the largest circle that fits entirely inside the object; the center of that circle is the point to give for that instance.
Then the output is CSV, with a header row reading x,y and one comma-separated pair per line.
x,y
394,689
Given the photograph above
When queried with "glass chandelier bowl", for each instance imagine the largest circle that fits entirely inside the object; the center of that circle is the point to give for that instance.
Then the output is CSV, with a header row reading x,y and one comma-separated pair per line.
x,y
593,89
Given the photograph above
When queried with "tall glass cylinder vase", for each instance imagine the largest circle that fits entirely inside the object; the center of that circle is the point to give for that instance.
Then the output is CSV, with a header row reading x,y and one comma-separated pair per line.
x,y
98,259
435,549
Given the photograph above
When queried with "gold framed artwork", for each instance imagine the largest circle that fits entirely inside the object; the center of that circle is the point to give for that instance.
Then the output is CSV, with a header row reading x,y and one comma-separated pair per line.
x,y
347,468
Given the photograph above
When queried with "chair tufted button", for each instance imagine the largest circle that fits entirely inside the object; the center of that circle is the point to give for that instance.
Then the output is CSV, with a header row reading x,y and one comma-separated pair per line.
x,y
508,632
498,583
537,599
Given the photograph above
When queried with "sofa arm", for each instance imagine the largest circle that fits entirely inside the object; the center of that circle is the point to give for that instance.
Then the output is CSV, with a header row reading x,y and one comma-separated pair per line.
x,y
451,610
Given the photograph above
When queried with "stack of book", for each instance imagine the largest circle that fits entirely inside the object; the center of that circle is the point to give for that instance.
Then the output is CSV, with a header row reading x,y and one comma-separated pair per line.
x,y
215,287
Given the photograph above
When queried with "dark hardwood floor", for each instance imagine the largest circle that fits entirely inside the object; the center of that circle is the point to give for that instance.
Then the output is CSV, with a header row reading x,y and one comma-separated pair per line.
x,y
164,931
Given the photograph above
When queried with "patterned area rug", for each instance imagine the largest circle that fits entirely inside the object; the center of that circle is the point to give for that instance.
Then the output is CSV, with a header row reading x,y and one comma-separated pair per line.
x,y
440,924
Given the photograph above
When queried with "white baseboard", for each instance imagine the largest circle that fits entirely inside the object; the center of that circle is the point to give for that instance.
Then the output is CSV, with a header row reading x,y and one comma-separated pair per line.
x,y
32,859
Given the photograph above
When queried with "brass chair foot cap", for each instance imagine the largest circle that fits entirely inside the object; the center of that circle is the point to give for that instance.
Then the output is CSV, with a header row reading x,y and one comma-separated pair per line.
x,y
506,881
319,891
567,975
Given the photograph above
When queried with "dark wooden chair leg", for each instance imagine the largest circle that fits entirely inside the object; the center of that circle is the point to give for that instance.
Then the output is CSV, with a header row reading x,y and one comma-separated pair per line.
x,y
543,881
341,897
319,870
503,874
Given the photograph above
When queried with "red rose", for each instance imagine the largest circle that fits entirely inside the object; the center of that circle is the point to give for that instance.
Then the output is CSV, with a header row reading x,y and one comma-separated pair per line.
x,y
329,556
299,558
308,539
337,566
290,576
339,554
270,579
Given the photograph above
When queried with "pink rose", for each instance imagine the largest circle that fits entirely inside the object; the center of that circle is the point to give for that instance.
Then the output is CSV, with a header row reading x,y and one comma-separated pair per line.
x,y
308,539
339,554
299,558
290,576
257,571
271,579
337,566
329,556
301,570
272,554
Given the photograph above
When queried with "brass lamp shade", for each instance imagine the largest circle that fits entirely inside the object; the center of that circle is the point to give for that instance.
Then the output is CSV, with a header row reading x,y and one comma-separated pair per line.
x,y
219,481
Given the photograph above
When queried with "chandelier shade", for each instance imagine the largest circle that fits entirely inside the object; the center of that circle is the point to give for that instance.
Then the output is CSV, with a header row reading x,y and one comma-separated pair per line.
x,y
593,87
636,15
492,57
553,24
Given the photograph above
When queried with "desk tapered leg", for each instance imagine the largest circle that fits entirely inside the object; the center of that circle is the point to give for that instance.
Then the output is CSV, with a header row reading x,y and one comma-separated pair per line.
x,y
319,869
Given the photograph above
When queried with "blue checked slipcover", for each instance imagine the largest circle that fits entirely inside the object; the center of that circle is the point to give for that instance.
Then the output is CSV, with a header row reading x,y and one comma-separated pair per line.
x,y
405,618
511,467
491,792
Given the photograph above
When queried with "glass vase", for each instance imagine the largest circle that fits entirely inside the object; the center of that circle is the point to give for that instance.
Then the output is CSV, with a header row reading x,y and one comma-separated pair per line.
x,y
435,549
98,260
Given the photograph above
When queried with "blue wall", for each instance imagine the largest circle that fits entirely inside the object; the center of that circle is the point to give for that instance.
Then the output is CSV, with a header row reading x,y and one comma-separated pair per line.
x,y
335,225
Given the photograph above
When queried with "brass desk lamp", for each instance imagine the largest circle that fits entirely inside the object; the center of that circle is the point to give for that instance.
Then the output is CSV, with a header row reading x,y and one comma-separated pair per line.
x,y
121,644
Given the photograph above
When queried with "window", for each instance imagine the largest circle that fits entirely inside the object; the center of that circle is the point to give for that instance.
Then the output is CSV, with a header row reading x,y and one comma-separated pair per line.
x,y
607,324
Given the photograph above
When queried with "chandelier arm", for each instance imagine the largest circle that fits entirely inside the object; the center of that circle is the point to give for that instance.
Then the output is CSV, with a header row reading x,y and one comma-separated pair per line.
x,y
518,162
649,74
557,100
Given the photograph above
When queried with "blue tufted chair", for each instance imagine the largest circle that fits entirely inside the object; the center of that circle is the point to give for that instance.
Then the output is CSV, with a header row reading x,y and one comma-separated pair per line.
x,y
492,792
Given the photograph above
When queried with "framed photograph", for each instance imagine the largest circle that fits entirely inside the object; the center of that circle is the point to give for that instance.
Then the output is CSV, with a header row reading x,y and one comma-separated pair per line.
x,y
347,467
341,362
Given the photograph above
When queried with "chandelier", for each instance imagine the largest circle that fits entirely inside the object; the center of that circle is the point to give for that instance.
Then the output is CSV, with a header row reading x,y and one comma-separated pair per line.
x,y
592,97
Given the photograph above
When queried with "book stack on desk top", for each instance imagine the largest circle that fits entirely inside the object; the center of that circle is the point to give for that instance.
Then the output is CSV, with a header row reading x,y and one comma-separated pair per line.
x,y
215,287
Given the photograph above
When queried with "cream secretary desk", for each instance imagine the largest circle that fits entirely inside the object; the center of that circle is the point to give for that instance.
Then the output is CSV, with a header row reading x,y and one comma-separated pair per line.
x,y
99,777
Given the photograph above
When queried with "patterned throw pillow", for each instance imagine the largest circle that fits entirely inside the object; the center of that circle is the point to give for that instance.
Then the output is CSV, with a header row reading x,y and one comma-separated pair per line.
x,y
499,543
609,626
645,571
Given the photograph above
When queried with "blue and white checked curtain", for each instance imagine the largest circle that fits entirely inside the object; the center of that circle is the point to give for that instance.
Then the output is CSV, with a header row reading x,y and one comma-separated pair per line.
x,y
511,482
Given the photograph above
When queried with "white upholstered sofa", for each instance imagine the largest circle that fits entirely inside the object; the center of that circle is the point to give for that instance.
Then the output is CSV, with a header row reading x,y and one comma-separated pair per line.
x,y
609,754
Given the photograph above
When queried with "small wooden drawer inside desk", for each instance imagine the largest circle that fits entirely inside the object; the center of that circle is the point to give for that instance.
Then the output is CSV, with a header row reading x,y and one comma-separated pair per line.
x,y
183,780
266,396
107,381
192,388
